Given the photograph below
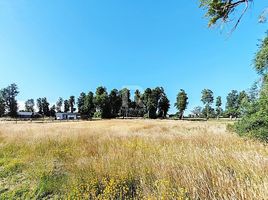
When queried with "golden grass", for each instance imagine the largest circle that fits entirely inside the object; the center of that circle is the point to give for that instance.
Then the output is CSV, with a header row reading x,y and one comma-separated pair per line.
x,y
130,159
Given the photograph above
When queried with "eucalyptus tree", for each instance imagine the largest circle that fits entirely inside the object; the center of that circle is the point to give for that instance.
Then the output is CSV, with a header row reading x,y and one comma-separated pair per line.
x,y
218,107
181,102
207,99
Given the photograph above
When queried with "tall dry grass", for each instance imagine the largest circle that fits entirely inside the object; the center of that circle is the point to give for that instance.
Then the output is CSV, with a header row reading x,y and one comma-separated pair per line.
x,y
135,159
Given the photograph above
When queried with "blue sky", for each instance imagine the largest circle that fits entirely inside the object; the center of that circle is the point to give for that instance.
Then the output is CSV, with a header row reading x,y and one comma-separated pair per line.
x,y
58,48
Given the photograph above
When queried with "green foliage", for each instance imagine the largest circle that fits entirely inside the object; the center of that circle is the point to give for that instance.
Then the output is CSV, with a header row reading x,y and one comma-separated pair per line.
x,y
66,106
101,101
207,99
155,100
261,59
255,120
219,110
115,100
29,105
50,183
59,104
9,95
72,103
222,9
182,102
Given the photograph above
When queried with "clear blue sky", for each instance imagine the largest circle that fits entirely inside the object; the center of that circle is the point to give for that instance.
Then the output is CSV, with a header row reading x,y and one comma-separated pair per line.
x,y
58,48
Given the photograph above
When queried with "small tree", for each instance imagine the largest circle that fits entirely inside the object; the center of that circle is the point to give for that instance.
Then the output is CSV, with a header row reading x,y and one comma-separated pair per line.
x,y
29,105
197,111
181,103
218,107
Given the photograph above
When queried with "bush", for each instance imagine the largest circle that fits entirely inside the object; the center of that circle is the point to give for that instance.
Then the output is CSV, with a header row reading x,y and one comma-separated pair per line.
x,y
97,114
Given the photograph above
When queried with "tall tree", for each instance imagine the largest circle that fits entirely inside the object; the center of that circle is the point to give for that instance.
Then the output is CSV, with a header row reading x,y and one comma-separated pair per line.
x,y
72,103
115,102
39,106
163,105
66,106
139,104
89,105
59,104
29,105
52,111
149,103
125,97
232,104
45,107
207,99
218,107
9,95
181,103
81,103
101,100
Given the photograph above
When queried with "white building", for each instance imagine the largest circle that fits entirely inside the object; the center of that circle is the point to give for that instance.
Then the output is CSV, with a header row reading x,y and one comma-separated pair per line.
x,y
66,116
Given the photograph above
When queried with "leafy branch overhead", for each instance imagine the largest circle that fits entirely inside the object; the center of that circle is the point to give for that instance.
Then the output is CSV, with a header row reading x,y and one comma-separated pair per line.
x,y
223,9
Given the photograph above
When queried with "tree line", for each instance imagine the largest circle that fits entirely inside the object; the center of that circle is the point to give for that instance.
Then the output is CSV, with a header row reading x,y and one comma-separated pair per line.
x,y
152,103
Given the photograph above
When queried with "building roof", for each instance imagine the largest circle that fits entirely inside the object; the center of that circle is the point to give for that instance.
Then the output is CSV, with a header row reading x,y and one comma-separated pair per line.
x,y
25,113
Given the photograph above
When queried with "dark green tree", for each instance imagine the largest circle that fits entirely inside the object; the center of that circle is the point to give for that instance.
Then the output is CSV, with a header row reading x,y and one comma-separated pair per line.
x,y
45,107
115,100
59,104
232,104
219,110
72,103
29,105
163,105
81,103
52,111
9,95
89,105
207,99
66,106
39,106
101,101
181,103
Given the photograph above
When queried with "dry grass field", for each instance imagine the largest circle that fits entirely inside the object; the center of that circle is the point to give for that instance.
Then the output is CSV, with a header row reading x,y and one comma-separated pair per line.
x,y
130,159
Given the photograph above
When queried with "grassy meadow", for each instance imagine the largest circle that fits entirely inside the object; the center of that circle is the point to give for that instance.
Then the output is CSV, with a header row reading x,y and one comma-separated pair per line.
x,y
130,159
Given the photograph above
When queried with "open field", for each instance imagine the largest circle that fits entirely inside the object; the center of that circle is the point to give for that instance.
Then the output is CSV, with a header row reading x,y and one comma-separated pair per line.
x,y
130,159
